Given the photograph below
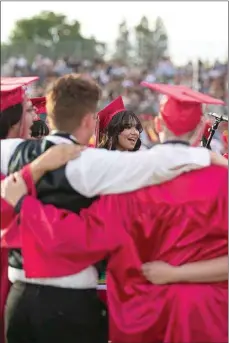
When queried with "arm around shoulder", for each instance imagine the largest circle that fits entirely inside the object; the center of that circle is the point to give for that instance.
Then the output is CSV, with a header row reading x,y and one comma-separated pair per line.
x,y
98,171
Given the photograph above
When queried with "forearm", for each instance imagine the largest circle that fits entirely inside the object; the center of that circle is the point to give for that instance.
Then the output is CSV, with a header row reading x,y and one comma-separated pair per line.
x,y
37,170
214,270
117,172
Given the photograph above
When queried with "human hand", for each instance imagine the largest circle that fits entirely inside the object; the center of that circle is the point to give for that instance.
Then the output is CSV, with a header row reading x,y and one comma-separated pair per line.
x,y
218,159
13,188
159,272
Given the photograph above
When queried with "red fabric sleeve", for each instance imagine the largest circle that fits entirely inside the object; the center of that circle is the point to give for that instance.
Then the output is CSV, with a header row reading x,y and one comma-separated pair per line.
x,y
27,176
7,211
57,242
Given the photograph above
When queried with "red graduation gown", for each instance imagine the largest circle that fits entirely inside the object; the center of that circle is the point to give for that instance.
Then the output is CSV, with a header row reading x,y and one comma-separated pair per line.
x,y
7,213
181,221
8,219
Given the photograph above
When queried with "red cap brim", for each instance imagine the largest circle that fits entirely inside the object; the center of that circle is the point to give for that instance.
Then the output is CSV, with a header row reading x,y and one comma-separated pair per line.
x,y
20,81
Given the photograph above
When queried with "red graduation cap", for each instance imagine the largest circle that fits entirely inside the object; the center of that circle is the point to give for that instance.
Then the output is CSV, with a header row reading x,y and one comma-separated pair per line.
x,y
12,90
106,114
40,104
181,110
11,95
20,81
203,98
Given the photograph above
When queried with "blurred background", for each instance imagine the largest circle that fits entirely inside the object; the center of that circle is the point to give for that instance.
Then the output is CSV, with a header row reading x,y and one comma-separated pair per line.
x,y
119,44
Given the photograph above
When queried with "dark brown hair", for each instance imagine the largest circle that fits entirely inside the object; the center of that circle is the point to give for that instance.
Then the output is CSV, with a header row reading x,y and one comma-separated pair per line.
x,y
39,129
121,121
8,118
70,98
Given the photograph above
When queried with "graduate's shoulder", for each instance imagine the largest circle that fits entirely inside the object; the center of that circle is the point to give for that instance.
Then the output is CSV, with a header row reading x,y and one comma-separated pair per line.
x,y
219,176
214,169
215,174
197,185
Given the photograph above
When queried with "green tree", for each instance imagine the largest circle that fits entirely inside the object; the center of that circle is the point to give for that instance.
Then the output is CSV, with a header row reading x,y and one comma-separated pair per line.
x,y
4,48
160,39
143,39
46,28
150,44
122,42
51,35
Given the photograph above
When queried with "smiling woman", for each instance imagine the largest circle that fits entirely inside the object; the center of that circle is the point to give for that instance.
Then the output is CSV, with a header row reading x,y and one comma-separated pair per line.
x,y
122,132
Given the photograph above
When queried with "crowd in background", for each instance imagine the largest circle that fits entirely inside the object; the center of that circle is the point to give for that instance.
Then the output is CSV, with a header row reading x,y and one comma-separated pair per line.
x,y
116,77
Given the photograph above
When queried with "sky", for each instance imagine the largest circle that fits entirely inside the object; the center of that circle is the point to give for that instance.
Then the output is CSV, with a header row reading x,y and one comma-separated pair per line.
x,y
195,29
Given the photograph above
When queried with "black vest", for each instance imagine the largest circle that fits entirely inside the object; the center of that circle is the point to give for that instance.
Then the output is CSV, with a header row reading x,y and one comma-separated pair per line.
x,y
53,188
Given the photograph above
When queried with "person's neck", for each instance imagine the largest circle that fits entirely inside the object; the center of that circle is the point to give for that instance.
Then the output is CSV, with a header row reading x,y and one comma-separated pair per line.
x,y
14,132
171,138
77,136
120,148
80,137
176,140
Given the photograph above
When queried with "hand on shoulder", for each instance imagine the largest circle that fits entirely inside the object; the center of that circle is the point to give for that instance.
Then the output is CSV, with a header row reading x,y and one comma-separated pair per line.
x,y
218,159
13,188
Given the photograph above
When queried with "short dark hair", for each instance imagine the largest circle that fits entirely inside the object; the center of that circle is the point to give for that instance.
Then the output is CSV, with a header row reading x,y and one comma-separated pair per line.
x,y
121,121
39,128
70,98
9,117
